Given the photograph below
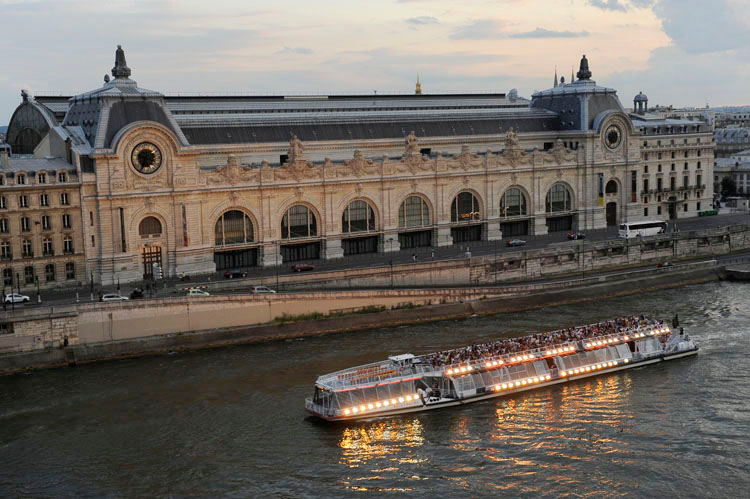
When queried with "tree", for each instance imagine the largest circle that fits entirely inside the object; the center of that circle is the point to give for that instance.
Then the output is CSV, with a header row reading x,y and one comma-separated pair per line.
x,y
728,186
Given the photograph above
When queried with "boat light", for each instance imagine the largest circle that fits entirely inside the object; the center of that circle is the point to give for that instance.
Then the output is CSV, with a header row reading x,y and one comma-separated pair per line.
x,y
393,401
626,361
401,399
523,382
588,369
500,362
370,406
449,372
626,337
378,404
385,403
549,352
469,368
355,410
362,408
505,385
408,398
489,364
346,412
462,369
547,377
518,383
536,379
563,374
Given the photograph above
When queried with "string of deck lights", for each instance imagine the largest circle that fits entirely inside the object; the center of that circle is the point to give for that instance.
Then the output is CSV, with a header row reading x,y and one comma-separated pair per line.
x,y
378,405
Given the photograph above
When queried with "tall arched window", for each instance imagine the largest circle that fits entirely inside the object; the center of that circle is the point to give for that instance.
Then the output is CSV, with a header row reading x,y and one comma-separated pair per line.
x,y
298,221
465,208
611,187
513,203
413,212
558,199
358,217
149,226
233,227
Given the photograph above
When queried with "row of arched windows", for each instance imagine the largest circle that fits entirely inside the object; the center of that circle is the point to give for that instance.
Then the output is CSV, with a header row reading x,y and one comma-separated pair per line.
x,y
299,221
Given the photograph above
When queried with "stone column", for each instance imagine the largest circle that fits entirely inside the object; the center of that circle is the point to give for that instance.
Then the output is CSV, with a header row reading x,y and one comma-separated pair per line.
x,y
540,225
389,243
491,231
333,249
271,256
443,237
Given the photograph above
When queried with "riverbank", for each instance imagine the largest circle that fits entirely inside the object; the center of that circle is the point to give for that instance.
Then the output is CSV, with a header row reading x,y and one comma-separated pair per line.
x,y
112,331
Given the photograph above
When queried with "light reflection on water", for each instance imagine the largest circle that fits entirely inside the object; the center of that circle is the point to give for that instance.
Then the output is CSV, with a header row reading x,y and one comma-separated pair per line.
x,y
229,422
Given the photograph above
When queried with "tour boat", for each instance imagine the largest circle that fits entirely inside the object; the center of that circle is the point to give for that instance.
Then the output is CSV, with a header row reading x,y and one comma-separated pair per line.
x,y
407,383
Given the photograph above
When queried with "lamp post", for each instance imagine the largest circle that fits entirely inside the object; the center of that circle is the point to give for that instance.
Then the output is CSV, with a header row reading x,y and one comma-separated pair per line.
x,y
390,254
91,285
276,261
38,294
583,259
18,285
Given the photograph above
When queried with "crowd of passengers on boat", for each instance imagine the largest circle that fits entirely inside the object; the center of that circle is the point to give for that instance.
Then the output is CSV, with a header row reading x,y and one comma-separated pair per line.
x,y
473,353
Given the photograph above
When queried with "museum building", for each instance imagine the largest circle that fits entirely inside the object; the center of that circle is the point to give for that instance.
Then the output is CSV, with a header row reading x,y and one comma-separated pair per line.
x,y
188,185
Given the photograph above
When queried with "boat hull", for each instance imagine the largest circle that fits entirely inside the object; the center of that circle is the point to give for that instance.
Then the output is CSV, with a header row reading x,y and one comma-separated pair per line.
x,y
505,393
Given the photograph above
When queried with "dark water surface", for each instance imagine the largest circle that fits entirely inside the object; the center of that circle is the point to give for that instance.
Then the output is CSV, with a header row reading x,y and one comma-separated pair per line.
x,y
230,422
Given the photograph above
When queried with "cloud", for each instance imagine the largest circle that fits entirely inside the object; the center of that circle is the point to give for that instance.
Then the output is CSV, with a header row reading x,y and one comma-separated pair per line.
x,y
422,20
700,27
295,50
545,33
485,29
608,5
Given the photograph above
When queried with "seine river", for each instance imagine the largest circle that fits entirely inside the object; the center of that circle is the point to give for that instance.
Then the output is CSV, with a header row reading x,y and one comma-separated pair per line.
x,y
230,422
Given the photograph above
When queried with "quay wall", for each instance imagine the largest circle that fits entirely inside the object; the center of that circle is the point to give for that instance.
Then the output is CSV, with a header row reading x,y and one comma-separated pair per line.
x,y
113,330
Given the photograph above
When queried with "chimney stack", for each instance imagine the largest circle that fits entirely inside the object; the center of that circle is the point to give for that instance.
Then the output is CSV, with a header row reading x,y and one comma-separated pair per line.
x,y
4,153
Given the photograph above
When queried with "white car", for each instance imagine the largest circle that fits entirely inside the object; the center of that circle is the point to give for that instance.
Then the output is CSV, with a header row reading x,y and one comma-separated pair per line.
x,y
114,297
197,292
16,298
262,289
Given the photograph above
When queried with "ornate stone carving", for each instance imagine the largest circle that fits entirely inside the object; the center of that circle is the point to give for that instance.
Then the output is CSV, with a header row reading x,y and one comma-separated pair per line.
x,y
232,173
149,203
298,170
559,154
465,160
358,166
511,139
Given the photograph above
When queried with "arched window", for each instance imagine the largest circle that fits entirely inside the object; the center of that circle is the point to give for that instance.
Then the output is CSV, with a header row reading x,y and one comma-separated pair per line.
x,y
558,199
149,226
465,208
513,203
611,187
413,212
298,221
233,227
358,217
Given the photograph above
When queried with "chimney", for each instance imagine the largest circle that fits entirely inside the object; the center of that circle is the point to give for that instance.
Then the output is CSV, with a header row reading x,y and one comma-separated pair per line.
x,y
4,158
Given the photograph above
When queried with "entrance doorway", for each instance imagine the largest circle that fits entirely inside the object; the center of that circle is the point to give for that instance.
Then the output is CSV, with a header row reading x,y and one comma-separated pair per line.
x,y
611,214
672,207
151,255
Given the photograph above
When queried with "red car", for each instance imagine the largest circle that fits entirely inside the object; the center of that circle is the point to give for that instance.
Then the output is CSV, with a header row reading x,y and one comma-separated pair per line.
x,y
302,267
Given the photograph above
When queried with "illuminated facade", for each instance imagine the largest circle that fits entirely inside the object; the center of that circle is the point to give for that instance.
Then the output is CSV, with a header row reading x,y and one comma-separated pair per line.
x,y
198,184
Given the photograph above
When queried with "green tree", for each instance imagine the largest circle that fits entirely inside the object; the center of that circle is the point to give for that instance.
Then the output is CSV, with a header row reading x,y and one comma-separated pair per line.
x,y
728,186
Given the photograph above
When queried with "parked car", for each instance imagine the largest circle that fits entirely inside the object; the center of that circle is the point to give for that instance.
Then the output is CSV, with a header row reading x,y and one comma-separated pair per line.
x,y
576,235
262,289
231,274
136,293
302,267
197,292
113,297
16,298
663,264
516,242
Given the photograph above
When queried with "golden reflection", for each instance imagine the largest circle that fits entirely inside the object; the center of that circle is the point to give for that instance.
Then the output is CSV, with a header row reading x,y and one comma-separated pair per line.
x,y
381,439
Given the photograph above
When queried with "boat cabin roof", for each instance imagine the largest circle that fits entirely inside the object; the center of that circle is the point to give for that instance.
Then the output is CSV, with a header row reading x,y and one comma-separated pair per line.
x,y
401,358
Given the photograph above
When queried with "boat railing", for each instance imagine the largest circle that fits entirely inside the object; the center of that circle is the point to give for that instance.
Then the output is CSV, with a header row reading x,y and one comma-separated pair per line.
x,y
565,348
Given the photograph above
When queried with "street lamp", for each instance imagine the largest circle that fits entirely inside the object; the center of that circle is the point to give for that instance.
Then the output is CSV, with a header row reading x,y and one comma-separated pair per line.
x,y
390,254
38,294
276,261
583,259
91,285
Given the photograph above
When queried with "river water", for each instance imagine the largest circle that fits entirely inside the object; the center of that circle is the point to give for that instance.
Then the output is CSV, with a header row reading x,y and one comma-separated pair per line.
x,y
230,422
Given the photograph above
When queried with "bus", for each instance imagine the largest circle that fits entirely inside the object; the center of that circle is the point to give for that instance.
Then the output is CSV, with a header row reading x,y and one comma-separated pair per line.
x,y
643,228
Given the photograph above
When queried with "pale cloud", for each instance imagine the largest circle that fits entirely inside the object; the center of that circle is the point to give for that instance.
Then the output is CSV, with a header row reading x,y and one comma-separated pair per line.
x,y
545,33
698,26
484,29
422,20
608,5
295,50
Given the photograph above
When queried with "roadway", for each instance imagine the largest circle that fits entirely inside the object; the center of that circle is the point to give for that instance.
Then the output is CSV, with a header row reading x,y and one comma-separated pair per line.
x,y
477,248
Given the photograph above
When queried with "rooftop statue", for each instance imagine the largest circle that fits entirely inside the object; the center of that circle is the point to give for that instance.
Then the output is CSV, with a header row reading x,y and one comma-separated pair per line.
x,y
583,71
412,144
511,139
121,69
295,149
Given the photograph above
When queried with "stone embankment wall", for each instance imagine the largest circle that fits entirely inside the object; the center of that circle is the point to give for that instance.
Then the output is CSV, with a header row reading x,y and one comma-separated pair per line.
x,y
106,330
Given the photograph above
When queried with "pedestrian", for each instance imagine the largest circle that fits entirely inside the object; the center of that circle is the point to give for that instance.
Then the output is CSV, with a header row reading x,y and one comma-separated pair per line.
x,y
432,253
414,257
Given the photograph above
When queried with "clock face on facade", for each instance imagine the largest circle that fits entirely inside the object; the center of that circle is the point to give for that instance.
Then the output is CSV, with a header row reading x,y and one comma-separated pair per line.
x,y
146,158
613,136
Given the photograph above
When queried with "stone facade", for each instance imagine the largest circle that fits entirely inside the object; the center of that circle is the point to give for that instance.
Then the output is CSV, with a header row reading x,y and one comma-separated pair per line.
x,y
178,186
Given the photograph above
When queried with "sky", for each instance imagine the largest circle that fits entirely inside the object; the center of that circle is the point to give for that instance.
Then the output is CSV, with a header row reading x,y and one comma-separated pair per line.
x,y
679,52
